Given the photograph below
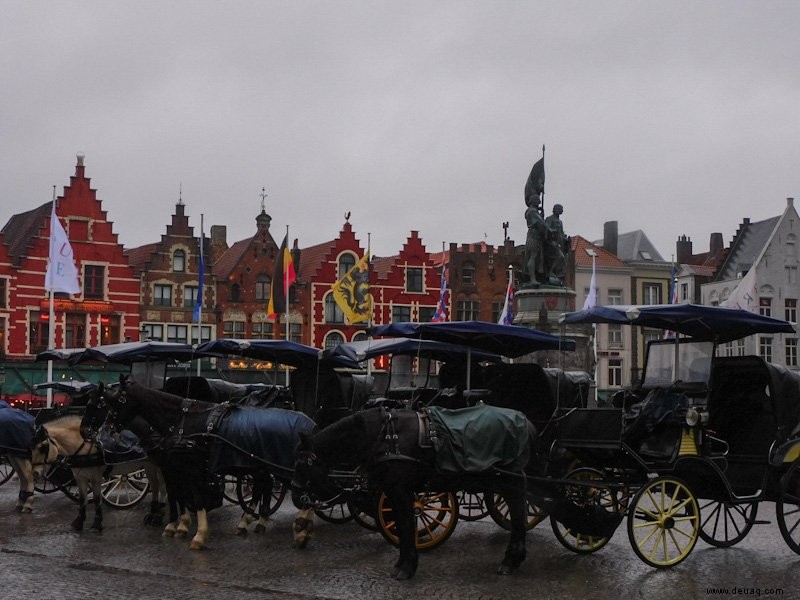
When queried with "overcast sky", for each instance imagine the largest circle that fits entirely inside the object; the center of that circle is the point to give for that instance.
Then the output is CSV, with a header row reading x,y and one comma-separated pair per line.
x,y
674,117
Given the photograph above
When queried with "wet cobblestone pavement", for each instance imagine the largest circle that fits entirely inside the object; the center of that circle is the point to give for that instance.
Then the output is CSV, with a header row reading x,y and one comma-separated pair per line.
x,y
40,557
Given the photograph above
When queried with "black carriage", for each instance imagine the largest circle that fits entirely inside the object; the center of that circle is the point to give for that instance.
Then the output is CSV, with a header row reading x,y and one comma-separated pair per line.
x,y
691,450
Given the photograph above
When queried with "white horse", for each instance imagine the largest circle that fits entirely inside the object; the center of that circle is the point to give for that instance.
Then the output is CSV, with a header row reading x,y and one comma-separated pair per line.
x,y
62,437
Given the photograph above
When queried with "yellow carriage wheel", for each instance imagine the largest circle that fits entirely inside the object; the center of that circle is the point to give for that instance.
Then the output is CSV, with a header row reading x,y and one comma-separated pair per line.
x,y
436,517
664,522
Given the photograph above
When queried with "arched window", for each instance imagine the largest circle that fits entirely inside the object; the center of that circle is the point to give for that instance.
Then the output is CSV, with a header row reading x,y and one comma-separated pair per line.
x,y
359,335
262,288
236,293
346,262
333,314
333,339
179,261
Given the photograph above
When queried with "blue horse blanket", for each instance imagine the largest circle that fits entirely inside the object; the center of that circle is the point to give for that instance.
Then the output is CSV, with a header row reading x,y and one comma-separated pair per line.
x,y
479,438
16,430
271,435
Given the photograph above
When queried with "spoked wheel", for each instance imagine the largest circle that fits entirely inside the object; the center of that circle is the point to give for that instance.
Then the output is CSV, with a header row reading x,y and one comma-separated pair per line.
x,y
724,524
497,507
229,491
125,490
364,508
436,513
586,496
335,513
787,508
664,522
58,478
471,506
244,494
5,470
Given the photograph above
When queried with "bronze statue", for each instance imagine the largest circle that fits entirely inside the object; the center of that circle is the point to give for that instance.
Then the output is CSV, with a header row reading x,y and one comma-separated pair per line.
x,y
535,241
557,246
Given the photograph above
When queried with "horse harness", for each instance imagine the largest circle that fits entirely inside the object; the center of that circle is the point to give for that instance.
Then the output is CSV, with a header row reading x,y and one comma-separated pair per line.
x,y
396,440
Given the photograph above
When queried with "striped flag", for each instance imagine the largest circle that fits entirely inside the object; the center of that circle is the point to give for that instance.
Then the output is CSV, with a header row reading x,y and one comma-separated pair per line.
x,y
507,314
441,308
284,277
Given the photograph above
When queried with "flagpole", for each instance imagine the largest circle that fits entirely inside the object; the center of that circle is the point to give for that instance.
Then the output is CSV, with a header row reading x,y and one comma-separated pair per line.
x,y
371,308
285,284
51,329
541,206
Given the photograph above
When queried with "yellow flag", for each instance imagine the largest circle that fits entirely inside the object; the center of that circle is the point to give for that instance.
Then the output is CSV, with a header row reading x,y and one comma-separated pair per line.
x,y
352,292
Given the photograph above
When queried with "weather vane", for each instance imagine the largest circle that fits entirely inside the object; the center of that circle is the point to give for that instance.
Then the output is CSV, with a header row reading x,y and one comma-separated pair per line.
x,y
263,195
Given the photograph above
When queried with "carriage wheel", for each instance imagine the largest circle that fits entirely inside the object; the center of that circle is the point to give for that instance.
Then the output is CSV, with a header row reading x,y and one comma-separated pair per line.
x,y
5,470
335,513
436,514
57,478
471,507
364,508
664,522
787,508
612,500
497,508
244,494
229,490
125,490
724,524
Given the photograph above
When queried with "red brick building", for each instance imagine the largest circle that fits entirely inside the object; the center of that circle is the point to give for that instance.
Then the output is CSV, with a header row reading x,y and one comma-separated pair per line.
x,y
107,308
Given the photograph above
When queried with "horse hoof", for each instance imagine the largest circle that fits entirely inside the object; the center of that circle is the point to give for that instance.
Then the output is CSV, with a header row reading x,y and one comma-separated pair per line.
x,y
97,528
505,570
25,510
260,528
301,543
195,546
167,533
401,575
181,533
240,532
77,526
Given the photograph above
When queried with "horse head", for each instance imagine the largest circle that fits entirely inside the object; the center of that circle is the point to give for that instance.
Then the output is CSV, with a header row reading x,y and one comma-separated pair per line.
x,y
95,412
115,401
44,450
311,484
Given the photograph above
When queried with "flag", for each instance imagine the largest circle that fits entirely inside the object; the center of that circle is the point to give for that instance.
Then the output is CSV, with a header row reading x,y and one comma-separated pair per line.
x,y
352,292
591,297
507,314
535,184
284,277
441,307
201,275
745,295
61,275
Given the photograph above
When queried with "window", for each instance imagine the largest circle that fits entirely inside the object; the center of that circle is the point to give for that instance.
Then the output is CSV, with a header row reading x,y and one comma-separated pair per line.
x,y
153,332
765,307
467,310
360,335
39,332
651,293
468,274
333,339
401,314
346,262
109,329
263,330
205,334
295,331
236,293
162,295
262,288
651,335
614,372
791,310
791,275
75,332
614,295
333,314
190,296
615,335
3,292
684,292
413,279
791,352
177,333
426,313
233,329
93,281
765,348
179,261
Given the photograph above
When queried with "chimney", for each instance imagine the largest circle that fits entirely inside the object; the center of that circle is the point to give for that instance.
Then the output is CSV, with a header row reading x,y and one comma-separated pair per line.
x,y
683,250
218,234
716,245
610,236
79,169
789,202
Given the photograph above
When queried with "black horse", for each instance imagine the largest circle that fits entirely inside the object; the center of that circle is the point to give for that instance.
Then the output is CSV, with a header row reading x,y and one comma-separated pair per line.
x,y
199,438
397,449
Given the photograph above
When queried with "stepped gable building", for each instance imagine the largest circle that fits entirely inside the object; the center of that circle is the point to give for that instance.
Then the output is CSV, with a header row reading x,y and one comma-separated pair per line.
x,y
242,276
770,247
169,282
107,308
693,270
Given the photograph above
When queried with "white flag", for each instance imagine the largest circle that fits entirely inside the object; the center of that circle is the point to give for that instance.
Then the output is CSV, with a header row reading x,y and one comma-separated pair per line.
x,y
745,295
61,276
591,298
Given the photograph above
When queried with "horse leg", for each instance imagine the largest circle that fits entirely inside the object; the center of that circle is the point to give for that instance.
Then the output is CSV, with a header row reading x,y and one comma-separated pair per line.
x,y
201,536
402,503
517,511
156,515
303,527
77,524
263,491
22,467
172,501
97,490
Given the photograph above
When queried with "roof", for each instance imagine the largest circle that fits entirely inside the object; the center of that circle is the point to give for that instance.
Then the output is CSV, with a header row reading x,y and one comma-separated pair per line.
x,y
230,258
604,258
635,246
138,257
22,228
750,241
381,265
311,258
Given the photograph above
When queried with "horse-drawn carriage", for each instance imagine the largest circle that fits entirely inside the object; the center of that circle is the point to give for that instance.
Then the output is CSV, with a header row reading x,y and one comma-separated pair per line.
x,y
691,451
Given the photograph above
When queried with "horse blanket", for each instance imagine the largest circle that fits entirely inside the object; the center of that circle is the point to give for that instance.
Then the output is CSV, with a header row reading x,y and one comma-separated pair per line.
x,y
121,447
16,430
479,438
270,435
